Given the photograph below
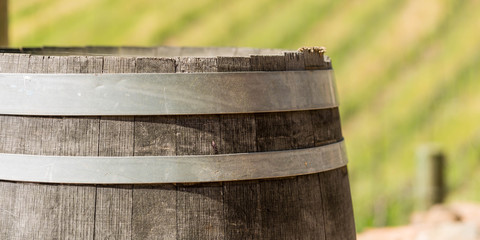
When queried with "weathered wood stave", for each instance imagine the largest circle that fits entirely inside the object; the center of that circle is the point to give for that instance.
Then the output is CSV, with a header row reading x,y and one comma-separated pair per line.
x,y
315,206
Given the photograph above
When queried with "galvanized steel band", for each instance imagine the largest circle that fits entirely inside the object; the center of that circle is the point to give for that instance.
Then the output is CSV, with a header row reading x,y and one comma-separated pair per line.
x,y
165,93
171,169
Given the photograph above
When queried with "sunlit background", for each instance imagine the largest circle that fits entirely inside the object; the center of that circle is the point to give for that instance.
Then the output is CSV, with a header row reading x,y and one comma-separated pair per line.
x,y
407,72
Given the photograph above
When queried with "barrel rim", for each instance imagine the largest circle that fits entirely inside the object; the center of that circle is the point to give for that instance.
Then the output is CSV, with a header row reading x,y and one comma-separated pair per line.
x,y
138,51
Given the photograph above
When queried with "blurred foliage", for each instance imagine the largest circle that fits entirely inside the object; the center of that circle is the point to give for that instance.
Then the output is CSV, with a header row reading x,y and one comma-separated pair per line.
x,y
407,71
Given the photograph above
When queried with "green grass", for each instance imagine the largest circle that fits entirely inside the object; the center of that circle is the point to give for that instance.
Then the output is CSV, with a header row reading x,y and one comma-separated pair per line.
x,y
407,72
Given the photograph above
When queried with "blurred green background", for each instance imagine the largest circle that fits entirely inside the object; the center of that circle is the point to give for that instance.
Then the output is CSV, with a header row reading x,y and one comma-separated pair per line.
x,y
407,72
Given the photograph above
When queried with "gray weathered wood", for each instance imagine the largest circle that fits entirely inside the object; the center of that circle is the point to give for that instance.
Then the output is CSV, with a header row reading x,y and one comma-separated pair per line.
x,y
267,62
200,212
243,210
337,204
233,64
8,214
116,136
113,212
316,206
14,63
155,136
273,132
11,141
154,213
199,209
155,65
242,213
197,64
290,209
326,126
113,216
50,211
238,134
196,135
294,61
35,64
73,136
315,58
286,212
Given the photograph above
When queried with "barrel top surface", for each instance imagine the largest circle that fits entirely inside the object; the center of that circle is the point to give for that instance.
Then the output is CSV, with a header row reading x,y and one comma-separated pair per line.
x,y
162,51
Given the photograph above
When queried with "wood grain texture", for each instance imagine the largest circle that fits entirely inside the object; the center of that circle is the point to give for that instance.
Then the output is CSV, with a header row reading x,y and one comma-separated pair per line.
x,y
233,64
273,132
200,212
326,126
196,64
288,205
8,215
72,137
154,208
196,135
294,61
155,65
309,212
337,204
11,141
290,208
12,133
243,210
50,211
14,63
316,206
267,62
154,213
315,60
113,215
238,134
80,138
155,136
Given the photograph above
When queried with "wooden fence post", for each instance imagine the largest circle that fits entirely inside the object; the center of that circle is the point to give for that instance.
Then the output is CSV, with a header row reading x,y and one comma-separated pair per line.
x,y
430,176
3,23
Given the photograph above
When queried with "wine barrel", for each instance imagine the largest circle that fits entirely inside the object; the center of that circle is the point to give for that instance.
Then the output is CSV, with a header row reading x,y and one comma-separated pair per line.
x,y
171,143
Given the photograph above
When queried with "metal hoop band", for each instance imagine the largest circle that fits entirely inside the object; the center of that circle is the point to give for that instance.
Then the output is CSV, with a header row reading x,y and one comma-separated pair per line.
x,y
165,93
171,169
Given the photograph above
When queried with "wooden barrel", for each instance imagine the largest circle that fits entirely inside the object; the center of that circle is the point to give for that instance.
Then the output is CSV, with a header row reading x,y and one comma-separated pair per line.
x,y
312,203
